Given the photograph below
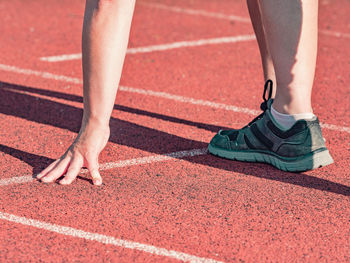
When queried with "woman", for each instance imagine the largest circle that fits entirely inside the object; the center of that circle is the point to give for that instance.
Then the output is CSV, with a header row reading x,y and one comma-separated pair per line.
x,y
286,135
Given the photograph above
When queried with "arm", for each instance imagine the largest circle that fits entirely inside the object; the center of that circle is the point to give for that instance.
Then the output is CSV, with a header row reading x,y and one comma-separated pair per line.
x,y
104,42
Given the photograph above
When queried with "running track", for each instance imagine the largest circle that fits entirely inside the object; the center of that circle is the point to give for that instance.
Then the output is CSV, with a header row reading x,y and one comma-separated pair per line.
x,y
192,68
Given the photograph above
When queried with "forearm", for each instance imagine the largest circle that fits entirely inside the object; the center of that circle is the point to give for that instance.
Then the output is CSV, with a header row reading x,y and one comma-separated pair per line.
x,y
105,37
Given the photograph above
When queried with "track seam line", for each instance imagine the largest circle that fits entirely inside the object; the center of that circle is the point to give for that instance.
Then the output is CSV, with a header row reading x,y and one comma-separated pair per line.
x,y
162,47
158,94
119,164
104,239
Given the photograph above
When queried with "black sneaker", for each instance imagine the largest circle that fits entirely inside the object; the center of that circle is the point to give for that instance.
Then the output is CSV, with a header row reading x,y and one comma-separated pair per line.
x,y
300,148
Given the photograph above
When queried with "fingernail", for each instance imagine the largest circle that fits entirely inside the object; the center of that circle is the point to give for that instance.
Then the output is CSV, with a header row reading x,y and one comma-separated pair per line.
x,y
44,181
97,182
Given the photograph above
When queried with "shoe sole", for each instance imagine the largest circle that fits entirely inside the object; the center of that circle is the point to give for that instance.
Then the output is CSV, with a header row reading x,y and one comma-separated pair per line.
x,y
307,162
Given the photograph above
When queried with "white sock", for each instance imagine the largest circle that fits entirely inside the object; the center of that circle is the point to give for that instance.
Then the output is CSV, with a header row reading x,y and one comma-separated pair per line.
x,y
288,120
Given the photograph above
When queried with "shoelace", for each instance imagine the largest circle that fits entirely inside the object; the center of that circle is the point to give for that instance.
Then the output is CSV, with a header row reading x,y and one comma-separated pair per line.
x,y
263,106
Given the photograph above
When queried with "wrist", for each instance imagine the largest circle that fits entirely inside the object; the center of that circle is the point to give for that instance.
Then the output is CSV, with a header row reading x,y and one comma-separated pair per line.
x,y
95,121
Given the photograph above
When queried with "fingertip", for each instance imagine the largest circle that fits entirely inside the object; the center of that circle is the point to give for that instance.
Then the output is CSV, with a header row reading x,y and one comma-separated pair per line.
x,y
63,182
97,182
45,180
96,177
67,180
40,175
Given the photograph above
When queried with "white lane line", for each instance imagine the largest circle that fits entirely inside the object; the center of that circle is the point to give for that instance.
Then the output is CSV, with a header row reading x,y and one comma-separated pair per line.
x,y
154,159
216,105
181,44
16,180
108,240
183,99
335,33
162,47
157,94
194,43
60,58
119,164
189,11
45,75
335,127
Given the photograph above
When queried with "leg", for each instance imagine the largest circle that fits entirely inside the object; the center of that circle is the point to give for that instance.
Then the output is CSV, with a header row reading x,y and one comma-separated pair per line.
x,y
255,16
291,34
293,141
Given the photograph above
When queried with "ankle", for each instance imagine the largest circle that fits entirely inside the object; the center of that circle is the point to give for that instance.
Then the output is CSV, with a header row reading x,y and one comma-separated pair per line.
x,y
292,106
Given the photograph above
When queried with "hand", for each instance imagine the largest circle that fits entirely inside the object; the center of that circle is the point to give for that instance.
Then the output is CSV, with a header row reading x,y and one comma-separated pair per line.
x,y
84,152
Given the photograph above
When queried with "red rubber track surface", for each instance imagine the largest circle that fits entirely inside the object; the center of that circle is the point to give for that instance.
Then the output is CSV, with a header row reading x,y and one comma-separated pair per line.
x,y
201,205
